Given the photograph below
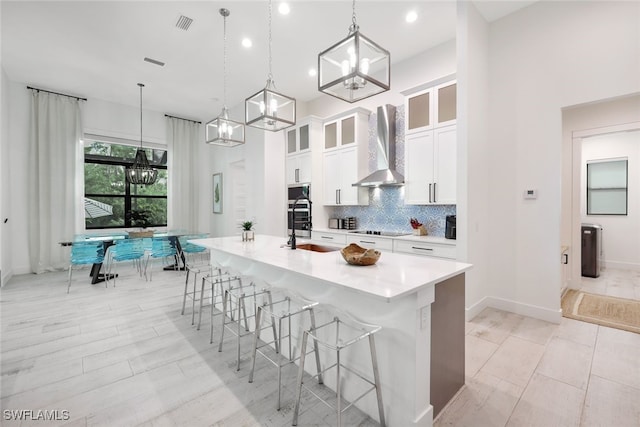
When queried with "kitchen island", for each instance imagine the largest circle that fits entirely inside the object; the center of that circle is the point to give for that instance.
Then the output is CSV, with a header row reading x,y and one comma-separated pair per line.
x,y
418,301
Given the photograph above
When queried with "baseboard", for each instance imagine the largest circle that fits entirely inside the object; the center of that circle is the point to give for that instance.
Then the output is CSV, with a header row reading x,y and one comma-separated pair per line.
x,y
621,265
548,315
5,276
425,419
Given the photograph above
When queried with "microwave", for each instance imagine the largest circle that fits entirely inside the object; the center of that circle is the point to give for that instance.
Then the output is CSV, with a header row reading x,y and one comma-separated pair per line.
x,y
296,190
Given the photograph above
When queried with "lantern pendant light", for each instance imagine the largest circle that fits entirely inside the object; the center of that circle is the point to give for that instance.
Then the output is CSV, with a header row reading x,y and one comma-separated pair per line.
x,y
140,172
355,68
222,130
269,109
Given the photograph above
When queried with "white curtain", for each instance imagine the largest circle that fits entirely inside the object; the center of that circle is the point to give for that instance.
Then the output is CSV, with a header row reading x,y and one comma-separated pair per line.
x,y
54,144
183,189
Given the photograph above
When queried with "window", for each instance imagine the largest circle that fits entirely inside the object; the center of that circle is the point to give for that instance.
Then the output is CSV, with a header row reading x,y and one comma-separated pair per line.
x,y
607,187
109,198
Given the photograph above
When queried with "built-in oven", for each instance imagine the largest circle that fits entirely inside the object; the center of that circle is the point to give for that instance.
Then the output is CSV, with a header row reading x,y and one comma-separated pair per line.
x,y
302,221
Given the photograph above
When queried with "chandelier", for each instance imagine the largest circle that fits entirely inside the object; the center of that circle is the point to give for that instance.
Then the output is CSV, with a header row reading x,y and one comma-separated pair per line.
x,y
140,172
355,68
269,109
222,130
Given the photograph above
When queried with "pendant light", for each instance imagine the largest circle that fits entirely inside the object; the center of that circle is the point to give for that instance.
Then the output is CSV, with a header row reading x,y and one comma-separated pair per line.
x,y
355,68
269,109
222,130
140,172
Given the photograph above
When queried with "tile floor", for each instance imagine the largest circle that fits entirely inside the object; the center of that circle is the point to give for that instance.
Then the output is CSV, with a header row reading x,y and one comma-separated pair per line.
x,y
125,356
526,372
615,283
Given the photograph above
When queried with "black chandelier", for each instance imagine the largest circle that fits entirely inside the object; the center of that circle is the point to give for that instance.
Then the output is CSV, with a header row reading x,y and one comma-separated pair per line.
x,y
140,172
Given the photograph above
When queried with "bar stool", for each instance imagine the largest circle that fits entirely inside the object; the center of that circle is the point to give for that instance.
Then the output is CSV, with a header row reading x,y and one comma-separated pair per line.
x,y
336,335
222,278
238,294
282,305
196,260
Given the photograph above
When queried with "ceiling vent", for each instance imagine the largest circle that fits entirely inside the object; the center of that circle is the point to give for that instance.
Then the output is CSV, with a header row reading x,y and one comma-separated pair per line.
x,y
183,22
154,61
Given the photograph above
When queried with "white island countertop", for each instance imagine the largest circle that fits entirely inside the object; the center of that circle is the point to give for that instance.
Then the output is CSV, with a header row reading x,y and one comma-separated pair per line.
x,y
394,275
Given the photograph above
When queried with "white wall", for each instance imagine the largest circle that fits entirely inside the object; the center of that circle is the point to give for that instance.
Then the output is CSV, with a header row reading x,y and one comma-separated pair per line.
x,y
621,234
6,268
474,233
545,57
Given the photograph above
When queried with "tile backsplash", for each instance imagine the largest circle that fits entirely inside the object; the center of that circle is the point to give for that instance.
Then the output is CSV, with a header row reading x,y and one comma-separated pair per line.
x,y
386,210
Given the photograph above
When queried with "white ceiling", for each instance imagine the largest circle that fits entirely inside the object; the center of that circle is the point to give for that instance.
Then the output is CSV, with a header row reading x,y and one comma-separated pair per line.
x,y
95,49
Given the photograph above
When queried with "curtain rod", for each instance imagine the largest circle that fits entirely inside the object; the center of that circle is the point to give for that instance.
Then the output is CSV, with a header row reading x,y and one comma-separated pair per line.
x,y
56,93
180,118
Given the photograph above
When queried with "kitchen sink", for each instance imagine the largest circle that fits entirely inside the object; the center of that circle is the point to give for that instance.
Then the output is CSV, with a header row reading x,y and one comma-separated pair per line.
x,y
316,248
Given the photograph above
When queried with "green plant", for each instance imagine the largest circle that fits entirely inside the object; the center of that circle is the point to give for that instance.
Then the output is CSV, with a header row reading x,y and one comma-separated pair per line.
x,y
246,225
140,218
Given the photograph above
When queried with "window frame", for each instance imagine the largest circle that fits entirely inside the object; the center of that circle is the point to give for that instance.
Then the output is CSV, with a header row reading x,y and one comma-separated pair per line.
x,y
127,196
589,189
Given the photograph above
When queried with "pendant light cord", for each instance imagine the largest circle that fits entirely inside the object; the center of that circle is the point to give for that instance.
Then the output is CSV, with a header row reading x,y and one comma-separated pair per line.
x,y
354,26
224,61
270,77
141,86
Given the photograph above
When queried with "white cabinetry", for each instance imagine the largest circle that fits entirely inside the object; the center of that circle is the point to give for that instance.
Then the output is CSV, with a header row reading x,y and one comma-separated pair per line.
x,y
329,237
431,107
299,140
371,242
430,169
425,249
345,158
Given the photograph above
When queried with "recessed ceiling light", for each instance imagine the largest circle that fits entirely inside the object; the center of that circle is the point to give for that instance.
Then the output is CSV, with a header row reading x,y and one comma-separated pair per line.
x,y
284,8
154,61
411,16
246,42
313,72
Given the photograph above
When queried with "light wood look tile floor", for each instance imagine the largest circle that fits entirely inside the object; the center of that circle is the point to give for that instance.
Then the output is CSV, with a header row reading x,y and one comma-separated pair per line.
x,y
526,372
124,356
614,283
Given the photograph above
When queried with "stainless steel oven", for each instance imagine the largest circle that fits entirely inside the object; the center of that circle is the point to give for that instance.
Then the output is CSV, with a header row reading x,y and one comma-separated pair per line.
x,y
301,222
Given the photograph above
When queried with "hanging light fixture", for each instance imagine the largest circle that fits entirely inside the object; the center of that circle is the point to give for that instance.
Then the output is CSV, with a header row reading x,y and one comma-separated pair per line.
x,y
140,172
354,68
222,130
269,109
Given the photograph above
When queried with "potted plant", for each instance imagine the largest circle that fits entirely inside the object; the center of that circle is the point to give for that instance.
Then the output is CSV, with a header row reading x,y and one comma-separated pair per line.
x,y
247,231
140,218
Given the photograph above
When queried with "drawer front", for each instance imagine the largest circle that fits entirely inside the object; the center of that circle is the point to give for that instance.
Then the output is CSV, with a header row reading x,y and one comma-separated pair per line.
x,y
371,242
320,236
425,249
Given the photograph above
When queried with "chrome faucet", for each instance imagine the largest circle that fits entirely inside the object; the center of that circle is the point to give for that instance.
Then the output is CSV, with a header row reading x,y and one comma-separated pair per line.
x,y
292,238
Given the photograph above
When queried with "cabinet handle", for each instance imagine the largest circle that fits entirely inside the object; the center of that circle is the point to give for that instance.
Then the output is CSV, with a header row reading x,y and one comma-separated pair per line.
x,y
365,241
422,249
566,258
327,237
434,192
430,193
337,197
297,175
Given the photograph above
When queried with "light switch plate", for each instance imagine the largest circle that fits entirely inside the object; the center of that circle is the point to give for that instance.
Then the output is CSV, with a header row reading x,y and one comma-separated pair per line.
x,y
530,194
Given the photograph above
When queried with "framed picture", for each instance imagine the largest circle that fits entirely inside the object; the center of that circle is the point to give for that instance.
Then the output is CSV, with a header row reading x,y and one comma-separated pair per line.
x,y
217,193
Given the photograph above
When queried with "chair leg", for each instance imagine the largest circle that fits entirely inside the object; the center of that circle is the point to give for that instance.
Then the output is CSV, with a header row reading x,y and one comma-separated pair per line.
x,y
69,285
303,351
376,379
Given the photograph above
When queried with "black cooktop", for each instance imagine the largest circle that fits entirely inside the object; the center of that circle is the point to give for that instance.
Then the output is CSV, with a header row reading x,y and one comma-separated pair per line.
x,y
381,233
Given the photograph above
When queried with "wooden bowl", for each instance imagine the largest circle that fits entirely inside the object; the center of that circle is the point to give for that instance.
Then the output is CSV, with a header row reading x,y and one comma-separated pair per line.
x,y
357,255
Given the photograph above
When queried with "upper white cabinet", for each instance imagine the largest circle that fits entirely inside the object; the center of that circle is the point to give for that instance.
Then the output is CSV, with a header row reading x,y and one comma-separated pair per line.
x,y
430,169
298,141
431,108
345,158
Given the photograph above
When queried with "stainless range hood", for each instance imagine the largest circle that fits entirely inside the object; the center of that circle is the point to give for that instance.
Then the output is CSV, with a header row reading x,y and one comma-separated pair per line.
x,y
386,175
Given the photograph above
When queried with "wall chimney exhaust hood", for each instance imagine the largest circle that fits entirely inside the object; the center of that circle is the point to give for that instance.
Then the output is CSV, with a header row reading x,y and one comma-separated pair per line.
x,y
386,175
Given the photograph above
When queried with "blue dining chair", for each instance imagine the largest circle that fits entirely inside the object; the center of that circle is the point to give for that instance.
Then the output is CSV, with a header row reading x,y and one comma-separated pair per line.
x,y
161,247
126,250
84,253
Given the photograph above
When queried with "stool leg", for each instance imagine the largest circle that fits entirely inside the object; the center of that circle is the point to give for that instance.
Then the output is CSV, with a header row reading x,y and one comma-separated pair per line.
x,y
315,345
240,305
213,283
193,300
256,337
224,311
303,351
376,378
339,400
184,297
201,299
276,336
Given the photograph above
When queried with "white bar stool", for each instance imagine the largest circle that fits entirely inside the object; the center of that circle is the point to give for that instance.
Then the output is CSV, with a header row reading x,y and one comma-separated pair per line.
x,y
282,306
336,335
